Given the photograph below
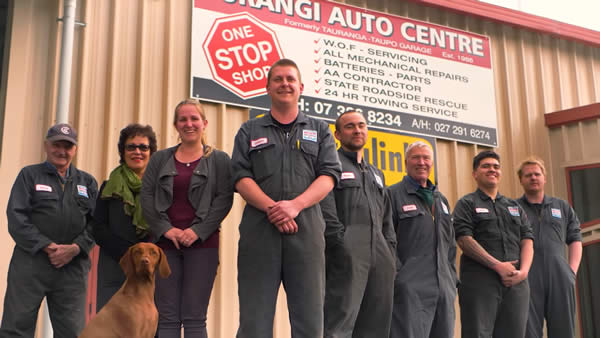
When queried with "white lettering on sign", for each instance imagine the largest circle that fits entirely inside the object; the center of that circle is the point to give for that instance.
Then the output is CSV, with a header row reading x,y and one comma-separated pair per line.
x,y
405,75
250,75
250,52
358,20
237,33
241,50
431,36
305,9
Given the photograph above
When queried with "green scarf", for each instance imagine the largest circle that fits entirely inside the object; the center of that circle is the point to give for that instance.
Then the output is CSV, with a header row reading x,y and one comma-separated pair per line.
x,y
125,185
426,195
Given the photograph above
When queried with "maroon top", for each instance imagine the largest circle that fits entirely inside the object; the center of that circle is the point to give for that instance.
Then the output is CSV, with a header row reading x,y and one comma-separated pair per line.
x,y
181,212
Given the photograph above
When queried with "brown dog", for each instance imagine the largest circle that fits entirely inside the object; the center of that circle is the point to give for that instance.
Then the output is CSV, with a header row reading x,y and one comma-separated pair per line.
x,y
131,311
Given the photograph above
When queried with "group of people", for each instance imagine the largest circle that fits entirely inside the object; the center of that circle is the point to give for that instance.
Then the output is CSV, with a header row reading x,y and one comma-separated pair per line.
x,y
176,197
391,258
356,258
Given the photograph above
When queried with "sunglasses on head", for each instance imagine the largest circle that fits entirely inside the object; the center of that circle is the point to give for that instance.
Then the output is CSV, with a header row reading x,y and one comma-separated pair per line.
x,y
142,147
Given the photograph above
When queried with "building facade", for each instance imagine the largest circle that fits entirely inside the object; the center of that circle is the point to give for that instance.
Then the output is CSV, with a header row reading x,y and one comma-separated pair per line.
x,y
131,63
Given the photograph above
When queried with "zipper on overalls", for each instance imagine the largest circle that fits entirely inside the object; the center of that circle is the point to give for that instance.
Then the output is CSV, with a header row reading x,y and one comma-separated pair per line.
x,y
287,165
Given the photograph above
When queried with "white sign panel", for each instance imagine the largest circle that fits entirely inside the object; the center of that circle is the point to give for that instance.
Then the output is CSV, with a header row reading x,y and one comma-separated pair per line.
x,y
404,75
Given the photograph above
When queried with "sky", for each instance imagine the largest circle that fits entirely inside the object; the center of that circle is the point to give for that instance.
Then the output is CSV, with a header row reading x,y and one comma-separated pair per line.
x,y
582,13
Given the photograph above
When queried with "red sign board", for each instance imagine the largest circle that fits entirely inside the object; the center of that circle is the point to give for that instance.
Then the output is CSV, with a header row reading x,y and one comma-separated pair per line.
x,y
240,50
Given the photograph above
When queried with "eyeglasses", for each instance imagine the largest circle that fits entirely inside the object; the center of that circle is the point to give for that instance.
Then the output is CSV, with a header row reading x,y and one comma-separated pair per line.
x,y
142,147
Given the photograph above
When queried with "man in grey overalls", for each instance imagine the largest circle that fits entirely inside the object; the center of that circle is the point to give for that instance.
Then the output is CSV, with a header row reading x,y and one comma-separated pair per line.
x,y
48,212
284,164
360,241
552,275
425,286
497,243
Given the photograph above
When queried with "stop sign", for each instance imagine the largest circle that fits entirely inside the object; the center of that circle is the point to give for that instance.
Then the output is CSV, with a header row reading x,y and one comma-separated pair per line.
x,y
240,50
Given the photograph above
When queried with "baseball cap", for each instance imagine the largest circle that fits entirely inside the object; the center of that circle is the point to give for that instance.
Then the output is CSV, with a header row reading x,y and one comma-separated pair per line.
x,y
62,132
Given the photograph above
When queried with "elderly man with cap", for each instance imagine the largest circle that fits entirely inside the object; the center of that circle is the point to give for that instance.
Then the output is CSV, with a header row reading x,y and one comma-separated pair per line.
x,y
48,211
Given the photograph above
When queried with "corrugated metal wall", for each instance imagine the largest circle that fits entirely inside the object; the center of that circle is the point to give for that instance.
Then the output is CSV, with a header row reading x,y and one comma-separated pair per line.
x,y
131,64
575,144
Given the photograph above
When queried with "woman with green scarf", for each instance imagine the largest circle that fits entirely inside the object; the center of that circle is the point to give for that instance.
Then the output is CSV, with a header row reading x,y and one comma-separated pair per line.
x,y
118,222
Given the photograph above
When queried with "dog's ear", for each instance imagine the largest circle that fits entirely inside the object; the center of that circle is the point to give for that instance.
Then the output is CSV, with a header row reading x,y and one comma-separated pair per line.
x,y
126,262
163,266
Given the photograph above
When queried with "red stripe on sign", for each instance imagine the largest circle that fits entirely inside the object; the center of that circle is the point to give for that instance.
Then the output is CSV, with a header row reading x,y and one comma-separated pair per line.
x,y
330,18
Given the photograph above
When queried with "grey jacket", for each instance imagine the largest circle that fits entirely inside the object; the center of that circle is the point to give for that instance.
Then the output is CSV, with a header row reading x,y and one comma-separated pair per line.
x,y
359,199
41,210
210,192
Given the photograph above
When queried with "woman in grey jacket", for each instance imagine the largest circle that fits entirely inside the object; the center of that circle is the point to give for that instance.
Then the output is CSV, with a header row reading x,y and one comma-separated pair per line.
x,y
186,194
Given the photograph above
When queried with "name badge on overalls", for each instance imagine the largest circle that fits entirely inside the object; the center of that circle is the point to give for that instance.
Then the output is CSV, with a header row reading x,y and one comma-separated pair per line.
x,y
348,175
409,207
43,187
258,141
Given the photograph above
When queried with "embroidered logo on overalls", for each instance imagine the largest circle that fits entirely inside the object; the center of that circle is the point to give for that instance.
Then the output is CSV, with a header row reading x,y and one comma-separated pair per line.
x,y
514,211
309,135
82,191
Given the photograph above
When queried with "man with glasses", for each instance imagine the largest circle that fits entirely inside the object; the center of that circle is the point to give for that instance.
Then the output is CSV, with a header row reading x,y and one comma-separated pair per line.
x,y
497,243
48,211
